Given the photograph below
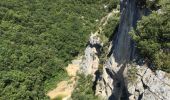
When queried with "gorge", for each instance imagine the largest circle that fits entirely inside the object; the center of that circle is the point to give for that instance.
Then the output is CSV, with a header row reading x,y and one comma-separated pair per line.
x,y
113,83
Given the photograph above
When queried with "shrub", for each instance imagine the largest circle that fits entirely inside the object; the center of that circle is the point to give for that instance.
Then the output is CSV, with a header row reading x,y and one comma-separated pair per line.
x,y
132,77
83,90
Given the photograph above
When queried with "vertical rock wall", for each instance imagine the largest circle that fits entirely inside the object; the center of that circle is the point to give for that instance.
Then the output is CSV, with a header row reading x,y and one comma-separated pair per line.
x,y
112,84
90,61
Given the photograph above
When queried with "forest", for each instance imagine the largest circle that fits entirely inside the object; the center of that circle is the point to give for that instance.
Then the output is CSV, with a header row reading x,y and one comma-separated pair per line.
x,y
39,38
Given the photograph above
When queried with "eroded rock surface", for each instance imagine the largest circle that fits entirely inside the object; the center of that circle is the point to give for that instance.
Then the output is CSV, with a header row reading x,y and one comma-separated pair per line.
x,y
113,84
149,85
90,61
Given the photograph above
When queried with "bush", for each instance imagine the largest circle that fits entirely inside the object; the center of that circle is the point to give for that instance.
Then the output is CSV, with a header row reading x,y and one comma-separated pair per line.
x,y
132,77
83,90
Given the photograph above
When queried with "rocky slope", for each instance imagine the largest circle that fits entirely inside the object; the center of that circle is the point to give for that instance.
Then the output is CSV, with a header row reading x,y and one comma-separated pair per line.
x,y
149,85
113,83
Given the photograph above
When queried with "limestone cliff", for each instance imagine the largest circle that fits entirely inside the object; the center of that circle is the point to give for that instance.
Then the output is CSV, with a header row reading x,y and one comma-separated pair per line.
x,y
112,84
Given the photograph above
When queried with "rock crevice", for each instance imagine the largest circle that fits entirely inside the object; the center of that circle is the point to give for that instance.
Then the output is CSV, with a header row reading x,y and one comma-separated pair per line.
x,y
149,85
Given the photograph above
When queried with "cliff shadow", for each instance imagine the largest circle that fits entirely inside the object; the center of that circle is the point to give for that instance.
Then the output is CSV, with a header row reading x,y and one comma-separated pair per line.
x,y
120,91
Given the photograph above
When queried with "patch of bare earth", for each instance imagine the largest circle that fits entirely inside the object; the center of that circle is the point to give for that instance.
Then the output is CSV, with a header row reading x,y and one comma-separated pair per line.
x,y
64,89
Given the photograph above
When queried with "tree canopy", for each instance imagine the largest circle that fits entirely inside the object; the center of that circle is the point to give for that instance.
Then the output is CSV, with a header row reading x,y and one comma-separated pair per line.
x,y
39,38
152,36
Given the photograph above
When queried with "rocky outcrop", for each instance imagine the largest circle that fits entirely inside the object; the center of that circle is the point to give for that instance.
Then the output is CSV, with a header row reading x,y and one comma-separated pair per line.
x,y
113,83
90,61
149,85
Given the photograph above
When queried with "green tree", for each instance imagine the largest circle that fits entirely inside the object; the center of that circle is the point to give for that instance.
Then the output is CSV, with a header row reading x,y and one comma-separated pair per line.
x,y
83,90
152,36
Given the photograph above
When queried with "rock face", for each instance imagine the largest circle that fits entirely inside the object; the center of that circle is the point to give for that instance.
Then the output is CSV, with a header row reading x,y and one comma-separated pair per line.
x,y
113,84
149,85
90,61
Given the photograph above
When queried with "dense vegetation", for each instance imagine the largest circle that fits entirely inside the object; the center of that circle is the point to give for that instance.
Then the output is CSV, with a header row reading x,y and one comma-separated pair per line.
x,y
83,90
38,39
132,74
106,35
152,36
